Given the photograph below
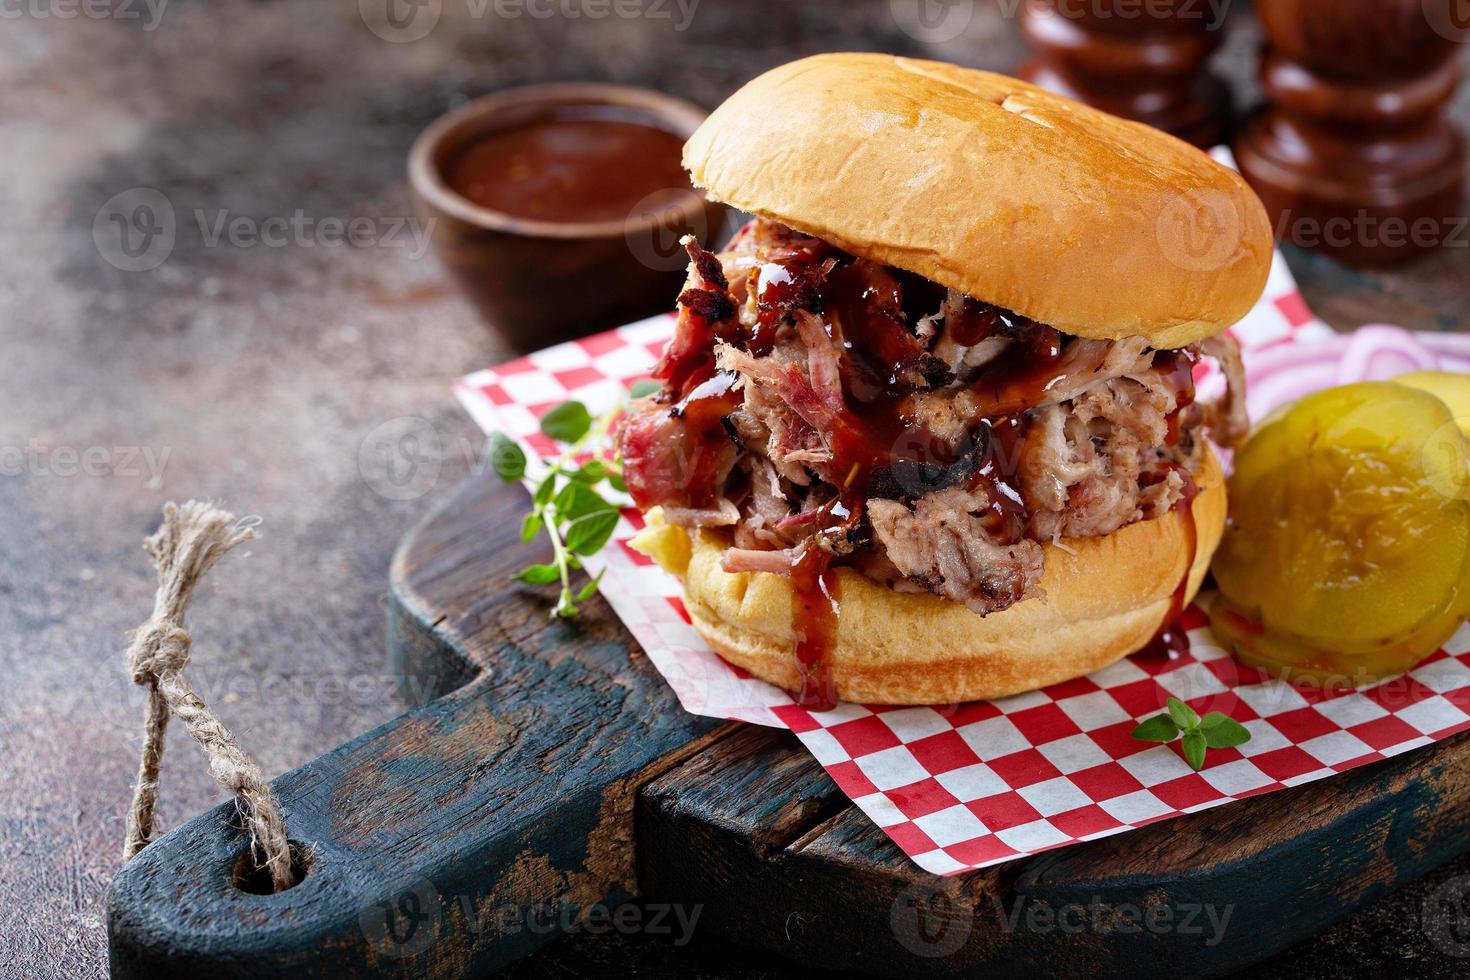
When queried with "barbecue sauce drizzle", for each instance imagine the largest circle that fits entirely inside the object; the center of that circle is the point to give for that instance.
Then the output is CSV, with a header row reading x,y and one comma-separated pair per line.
x,y
703,412
814,583
864,307
1170,642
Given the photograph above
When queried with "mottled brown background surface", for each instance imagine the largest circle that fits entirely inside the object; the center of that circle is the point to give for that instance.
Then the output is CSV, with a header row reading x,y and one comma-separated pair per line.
x,y
261,376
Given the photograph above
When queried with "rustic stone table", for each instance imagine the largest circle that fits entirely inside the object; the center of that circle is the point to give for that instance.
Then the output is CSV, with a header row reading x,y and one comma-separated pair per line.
x,y
255,359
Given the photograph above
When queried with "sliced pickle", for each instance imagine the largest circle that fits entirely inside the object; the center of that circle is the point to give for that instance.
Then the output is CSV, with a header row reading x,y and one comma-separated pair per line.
x,y
1349,533
1449,387
1295,659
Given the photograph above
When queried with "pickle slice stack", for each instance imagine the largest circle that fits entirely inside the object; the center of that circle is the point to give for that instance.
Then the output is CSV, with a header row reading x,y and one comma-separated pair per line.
x,y
1347,554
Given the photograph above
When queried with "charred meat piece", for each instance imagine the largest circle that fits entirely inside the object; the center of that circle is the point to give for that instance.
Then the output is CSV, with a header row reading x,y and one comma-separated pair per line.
x,y
706,313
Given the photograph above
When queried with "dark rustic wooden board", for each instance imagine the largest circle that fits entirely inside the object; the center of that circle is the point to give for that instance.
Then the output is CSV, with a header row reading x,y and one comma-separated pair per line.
x,y
555,771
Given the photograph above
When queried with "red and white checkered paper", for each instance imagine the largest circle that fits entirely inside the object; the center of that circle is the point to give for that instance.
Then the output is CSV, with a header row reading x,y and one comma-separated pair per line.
x,y
960,787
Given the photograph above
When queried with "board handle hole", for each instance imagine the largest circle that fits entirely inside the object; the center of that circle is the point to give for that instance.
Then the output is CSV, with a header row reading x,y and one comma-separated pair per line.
x,y
249,875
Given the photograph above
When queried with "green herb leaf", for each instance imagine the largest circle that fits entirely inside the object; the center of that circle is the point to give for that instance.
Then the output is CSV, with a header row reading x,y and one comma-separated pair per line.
x,y
1194,749
590,588
578,500
1159,728
538,575
567,422
1211,720
587,535
567,504
1184,716
1223,732
506,458
591,471
642,389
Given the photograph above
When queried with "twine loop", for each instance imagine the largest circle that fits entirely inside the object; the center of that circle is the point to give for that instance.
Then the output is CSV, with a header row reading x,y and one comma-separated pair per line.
x,y
157,647
185,547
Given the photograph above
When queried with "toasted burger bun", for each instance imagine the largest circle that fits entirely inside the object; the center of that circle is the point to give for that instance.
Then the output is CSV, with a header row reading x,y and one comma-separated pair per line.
x,y
1105,598
1098,226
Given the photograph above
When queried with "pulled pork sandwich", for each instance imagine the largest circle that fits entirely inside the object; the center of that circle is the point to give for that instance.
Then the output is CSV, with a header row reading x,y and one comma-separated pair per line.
x,y
928,430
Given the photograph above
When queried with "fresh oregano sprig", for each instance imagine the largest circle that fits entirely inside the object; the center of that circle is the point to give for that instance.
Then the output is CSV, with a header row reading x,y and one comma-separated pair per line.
x,y
1215,730
566,504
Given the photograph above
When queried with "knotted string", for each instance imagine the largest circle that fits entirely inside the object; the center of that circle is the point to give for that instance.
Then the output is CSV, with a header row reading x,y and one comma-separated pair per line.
x,y
192,538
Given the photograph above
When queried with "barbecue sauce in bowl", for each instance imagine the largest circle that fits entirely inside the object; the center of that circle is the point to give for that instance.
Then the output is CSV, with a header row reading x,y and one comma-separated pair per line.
x,y
559,208
583,164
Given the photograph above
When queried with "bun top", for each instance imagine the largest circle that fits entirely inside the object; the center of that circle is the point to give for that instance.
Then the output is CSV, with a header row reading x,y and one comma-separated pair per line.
x,y
1095,225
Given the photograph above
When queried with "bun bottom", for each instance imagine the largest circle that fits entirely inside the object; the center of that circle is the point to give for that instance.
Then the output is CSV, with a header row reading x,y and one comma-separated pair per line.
x,y
1104,598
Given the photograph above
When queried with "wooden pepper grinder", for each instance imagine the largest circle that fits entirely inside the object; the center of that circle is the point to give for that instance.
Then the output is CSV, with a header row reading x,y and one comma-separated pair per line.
x,y
1351,152
1144,61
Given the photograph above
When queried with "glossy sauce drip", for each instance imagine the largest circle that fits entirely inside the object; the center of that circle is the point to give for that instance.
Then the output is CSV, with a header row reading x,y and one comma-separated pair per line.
x,y
791,281
814,622
1013,382
862,304
1171,642
976,322
583,164
1020,377
1008,517
881,357
776,287
1178,367
703,412
705,407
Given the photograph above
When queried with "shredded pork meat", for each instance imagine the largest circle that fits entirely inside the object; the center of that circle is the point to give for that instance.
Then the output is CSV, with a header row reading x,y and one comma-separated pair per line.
x,y
944,545
930,440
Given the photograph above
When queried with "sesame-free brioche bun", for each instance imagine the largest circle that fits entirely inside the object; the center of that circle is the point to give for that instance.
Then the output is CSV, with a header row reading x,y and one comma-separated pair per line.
x,y
1105,598
1098,226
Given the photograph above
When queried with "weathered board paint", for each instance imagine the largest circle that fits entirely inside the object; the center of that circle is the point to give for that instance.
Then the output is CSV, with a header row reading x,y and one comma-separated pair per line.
x,y
555,771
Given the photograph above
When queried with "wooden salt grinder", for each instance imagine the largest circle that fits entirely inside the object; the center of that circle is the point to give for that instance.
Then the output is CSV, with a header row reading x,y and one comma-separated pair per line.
x,y
1351,153
1144,61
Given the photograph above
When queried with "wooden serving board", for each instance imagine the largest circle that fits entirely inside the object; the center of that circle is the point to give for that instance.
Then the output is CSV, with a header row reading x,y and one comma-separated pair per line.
x,y
554,770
